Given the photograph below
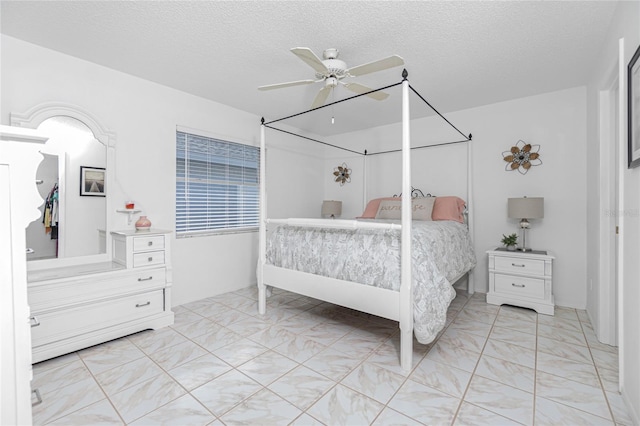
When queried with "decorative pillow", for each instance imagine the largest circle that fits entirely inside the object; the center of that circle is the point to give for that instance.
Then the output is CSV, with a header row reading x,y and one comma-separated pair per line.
x,y
448,208
392,209
372,207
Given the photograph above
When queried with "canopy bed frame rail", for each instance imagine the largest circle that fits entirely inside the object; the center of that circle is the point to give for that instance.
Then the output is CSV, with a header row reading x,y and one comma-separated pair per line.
x,y
394,305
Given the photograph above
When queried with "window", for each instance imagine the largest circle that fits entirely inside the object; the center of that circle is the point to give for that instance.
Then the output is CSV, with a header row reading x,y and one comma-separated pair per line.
x,y
217,186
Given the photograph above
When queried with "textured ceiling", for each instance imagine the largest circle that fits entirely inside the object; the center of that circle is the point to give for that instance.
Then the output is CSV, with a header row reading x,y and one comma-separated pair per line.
x,y
458,54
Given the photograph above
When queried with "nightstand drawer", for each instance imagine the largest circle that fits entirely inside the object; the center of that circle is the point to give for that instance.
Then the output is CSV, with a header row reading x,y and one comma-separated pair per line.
x,y
148,258
519,286
148,243
519,265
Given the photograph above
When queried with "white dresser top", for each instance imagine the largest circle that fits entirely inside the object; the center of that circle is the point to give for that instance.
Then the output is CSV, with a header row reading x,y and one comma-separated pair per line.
x,y
72,271
129,232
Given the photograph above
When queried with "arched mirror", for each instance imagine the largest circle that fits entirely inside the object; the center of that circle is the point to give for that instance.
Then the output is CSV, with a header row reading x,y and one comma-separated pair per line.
x,y
73,179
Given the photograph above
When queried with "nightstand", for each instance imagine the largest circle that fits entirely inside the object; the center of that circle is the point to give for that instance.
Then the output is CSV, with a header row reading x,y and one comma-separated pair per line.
x,y
522,279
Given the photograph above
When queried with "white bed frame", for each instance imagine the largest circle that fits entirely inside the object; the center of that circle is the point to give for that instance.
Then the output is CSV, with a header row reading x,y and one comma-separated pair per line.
x,y
394,305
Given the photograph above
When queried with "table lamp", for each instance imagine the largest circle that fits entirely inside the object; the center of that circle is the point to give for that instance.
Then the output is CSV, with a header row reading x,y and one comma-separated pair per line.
x,y
524,209
331,208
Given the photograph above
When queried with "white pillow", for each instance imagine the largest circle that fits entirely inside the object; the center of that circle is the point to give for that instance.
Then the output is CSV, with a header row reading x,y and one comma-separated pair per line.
x,y
392,209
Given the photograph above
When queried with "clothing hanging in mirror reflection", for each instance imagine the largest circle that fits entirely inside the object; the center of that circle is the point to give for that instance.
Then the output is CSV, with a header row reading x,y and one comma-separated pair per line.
x,y
51,212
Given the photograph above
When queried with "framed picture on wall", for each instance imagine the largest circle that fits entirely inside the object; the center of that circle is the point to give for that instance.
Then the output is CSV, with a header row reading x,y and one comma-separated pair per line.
x,y
92,181
633,110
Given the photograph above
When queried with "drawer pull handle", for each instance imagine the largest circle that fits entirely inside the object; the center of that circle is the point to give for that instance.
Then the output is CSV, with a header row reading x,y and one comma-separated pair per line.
x,y
145,279
517,285
150,259
30,250
38,398
34,321
150,243
138,305
519,265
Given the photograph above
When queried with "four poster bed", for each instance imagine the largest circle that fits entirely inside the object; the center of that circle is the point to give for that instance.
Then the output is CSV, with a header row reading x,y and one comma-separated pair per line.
x,y
402,270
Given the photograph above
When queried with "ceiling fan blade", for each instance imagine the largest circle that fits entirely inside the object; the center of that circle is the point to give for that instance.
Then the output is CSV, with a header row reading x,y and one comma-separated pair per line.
x,y
359,88
288,84
321,97
311,59
379,65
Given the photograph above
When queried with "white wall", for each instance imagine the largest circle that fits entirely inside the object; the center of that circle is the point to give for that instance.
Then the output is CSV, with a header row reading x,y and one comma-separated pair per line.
x,y
625,24
556,121
144,116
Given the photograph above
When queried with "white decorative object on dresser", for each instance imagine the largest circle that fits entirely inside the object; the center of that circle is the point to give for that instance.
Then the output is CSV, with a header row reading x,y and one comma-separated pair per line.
x,y
85,304
522,279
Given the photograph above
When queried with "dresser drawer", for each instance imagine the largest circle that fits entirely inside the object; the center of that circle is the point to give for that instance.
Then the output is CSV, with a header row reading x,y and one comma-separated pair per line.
x,y
519,286
59,293
519,265
148,258
148,243
70,322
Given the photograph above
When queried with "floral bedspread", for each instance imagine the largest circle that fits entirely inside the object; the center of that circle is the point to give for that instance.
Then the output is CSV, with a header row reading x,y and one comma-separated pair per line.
x,y
442,250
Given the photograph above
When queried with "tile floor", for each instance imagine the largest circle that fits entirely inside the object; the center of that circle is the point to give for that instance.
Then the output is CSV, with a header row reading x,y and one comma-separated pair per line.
x,y
310,363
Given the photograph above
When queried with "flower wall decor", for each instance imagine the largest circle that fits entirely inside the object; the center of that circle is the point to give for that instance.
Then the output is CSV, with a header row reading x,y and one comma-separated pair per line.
x,y
521,157
342,174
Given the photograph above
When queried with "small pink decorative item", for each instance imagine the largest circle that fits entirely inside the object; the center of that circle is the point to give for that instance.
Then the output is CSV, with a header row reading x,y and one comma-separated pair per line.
x,y
143,224
129,205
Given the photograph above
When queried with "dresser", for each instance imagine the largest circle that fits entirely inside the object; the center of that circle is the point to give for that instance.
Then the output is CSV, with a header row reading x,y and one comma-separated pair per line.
x,y
77,306
522,279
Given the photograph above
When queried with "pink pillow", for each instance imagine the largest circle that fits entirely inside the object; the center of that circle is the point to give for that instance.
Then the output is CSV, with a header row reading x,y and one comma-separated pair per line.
x,y
372,207
448,208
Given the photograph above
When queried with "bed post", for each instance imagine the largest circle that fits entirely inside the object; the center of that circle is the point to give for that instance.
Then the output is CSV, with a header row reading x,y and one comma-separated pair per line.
x,y
364,181
470,206
262,247
406,292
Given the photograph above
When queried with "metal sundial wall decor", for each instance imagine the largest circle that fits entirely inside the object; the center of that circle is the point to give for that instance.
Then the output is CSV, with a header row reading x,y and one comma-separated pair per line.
x,y
521,157
342,174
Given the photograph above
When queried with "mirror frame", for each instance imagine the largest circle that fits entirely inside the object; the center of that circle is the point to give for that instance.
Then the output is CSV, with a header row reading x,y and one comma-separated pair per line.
x,y
32,119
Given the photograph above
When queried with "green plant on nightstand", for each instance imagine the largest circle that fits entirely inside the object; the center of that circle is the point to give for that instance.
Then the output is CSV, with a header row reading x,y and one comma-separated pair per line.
x,y
510,241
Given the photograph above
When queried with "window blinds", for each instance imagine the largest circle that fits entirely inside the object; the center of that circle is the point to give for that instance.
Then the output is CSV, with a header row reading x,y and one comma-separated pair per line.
x,y
217,185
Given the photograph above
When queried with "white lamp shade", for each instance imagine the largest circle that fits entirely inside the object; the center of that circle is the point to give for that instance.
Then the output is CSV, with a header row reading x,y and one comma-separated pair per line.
x,y
331,208
526,208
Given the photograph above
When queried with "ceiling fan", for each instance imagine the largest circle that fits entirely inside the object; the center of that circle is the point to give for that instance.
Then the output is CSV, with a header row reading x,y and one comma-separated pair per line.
x,y
332,70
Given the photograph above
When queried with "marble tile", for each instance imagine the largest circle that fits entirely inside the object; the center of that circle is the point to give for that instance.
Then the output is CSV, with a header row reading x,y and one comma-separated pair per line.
x,y
562,334
442,377
302,387
421,402
248,326
299,323
559,322
526,340
605,359
177,355
332,364
108,355
567,313
241,351
374,381
299,349
508,373
306,420
473,327
217,339
325,333
468,314
620,414
199,371
127,375
97,414
263,408
511,353
57,377
552,413
387,356
152,340
582,315
60,402
185,317
472,415
183,411
229,317
610,379
197,328
272,336
574,394
501,399
564,350
463,339
567,368
54,363
138,400
594,343
343,406
267,367
524,326
454,356
392,417
358,345
224,392
212,310
516,313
